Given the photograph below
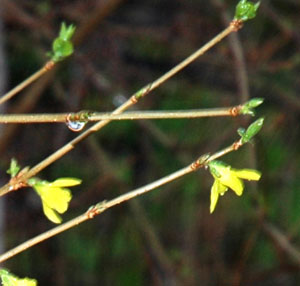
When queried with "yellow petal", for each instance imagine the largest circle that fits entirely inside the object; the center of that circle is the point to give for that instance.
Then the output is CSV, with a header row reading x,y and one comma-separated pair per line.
x,y
26,282
51,214
65,182
217,189
214,195
248,174
39,187
12,280
233,182
57,198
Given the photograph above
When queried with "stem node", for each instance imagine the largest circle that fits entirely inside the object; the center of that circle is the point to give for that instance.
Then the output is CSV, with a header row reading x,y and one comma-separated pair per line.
x,y
235,111
96,210
49,65
236,24
237,145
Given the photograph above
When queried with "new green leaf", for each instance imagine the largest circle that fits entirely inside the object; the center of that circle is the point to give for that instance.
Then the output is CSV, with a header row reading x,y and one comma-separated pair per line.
x,y
251,131
248,107
14,168
66,32
245,10
62,46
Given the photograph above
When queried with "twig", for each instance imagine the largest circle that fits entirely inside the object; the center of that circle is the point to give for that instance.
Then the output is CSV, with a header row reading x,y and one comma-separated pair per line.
x,y
242,79
96,18
104,205
48,66
139,214
233,27
129,115
33,94
24,104
238,54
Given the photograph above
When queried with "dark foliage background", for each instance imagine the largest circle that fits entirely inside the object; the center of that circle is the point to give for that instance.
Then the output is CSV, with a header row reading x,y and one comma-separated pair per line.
x,y
168,236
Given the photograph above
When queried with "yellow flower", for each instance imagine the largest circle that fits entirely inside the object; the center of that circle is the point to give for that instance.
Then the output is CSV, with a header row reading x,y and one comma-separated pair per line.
x,y
9,279
227,177
55,197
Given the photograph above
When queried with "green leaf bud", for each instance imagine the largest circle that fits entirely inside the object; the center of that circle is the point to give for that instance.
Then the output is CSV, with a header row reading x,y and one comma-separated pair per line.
x,y
254,102
247,108
252,130
245,10
241,131
66,32
14,168
62,47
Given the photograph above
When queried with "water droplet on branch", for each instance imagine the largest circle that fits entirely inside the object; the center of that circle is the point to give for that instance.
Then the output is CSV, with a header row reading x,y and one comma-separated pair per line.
x,y
75,125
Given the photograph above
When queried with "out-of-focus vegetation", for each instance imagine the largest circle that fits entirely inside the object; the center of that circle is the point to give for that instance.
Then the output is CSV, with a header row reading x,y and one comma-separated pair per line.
x,y
167,236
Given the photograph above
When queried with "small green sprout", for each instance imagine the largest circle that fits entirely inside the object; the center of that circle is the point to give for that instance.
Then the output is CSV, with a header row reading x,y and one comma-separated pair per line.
x,y
245,10
65,32
227,177
55,197
62,46
252,130
143,91
9,279
248,107
14,168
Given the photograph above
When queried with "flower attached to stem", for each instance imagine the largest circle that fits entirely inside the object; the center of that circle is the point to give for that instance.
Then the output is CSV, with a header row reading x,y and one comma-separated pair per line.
x,y
227,177
55,197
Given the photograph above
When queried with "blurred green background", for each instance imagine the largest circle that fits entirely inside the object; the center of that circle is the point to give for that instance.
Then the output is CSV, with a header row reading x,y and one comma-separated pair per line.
x,y
166,237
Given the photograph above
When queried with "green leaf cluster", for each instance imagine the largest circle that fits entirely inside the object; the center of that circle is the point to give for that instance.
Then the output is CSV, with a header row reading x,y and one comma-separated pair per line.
x,y
62,46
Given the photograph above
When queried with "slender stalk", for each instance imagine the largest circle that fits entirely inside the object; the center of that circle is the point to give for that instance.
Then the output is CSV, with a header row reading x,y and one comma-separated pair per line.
x,y
233,27
129,115
103,206
48,66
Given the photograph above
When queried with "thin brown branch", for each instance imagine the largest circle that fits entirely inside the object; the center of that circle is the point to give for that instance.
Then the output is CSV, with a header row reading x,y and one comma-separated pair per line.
x,y
100,13
238,54
103,206
47,67
144,224
24,104
233,27
129,115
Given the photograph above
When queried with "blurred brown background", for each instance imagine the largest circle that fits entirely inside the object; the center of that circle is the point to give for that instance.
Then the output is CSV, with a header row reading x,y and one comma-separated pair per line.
x,y
166,237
